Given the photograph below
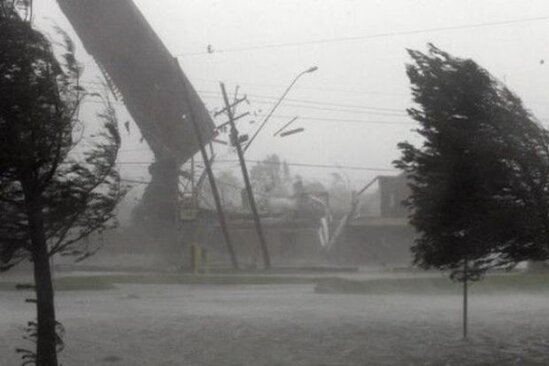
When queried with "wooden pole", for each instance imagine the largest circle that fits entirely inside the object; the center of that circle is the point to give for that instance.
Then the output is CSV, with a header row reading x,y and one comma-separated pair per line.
x,y
215,193
251,199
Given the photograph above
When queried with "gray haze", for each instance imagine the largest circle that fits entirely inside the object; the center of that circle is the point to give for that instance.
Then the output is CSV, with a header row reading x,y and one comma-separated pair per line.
x,y
360,73
145,299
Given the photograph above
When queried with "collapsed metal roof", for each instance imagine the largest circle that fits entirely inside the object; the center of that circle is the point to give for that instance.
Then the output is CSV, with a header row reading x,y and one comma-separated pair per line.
x,y
155,91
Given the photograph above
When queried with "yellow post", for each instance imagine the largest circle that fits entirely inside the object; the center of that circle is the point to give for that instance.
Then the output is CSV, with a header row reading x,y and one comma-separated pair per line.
x,y
206,261
197,258
191,256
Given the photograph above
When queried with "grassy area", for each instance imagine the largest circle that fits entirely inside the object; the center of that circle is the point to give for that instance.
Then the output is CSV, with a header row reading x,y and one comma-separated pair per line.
x,y
107,282
88,283
204,279
92,283
298,270
492,284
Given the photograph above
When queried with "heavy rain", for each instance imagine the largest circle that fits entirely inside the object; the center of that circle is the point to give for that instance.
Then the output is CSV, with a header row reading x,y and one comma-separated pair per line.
x,y
238,182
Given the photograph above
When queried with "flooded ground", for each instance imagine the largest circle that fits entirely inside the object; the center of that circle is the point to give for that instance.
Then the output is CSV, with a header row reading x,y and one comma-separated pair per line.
x,y
284,325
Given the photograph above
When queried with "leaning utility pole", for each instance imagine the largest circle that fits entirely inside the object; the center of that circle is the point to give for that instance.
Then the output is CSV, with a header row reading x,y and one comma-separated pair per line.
x,y
235,139
213,185
215,194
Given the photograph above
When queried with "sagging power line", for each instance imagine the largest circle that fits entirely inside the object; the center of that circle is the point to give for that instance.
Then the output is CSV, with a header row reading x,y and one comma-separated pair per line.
x,y
305,165
368,36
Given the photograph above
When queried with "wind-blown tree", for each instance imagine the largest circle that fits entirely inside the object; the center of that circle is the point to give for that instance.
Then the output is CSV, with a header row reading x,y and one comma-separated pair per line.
x,y
55,186
230,190
479,181
270,178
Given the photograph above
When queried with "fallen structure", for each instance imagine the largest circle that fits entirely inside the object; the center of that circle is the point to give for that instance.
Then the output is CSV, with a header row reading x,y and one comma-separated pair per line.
x,y
385,238
144,74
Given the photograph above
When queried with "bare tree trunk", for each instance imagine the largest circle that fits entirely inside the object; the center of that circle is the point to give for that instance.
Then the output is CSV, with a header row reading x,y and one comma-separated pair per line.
x,y
46,354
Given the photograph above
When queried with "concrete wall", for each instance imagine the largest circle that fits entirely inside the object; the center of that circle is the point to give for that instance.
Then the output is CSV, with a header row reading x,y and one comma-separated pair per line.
x,y
377,245
393,191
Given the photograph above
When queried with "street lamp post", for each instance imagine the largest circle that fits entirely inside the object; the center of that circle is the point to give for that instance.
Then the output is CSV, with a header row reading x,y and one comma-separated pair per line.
x,y
308,71
240,151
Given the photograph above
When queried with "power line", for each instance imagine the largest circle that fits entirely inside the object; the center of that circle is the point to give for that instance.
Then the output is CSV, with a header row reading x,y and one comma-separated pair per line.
x,y
321,89
314,102
369,36
328,108
302,101
309,104
381,112
305,165
343,120
317,105
341,110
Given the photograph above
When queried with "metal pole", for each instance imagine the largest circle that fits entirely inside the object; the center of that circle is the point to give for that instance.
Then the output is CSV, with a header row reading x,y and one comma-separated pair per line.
x,y
251,199
465,302
312,69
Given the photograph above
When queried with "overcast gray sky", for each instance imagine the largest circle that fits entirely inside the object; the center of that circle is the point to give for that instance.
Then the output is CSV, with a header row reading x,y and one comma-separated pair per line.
x,y
353,107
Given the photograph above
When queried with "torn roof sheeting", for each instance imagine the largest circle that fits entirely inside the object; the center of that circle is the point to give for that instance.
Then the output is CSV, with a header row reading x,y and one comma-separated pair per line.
x,y
125,46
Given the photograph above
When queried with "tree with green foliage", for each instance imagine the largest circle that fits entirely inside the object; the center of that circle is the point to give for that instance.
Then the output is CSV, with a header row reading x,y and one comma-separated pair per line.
x,y
270,178
479,181
230,190
56,187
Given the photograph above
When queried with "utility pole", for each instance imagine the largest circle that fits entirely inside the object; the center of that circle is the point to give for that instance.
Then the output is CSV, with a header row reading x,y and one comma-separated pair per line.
x,y
215,193
465,304
213,185
251,199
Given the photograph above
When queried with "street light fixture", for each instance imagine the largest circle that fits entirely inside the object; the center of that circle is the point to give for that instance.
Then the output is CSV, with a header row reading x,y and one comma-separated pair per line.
x,y
238,142
308,71
285,126
292,132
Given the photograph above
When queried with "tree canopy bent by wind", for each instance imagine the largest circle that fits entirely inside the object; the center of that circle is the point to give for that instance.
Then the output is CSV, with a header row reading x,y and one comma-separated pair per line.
x,y
39,111
56,186
479,180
